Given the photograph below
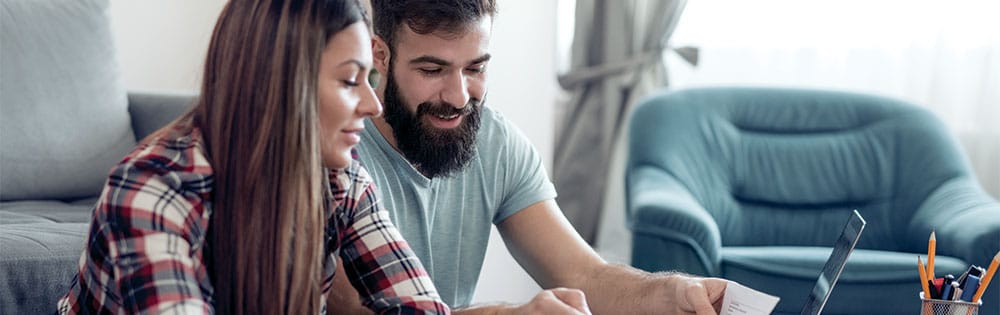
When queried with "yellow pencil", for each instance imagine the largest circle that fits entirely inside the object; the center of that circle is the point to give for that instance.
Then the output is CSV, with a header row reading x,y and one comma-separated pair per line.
x,y
931,248
985,281
923,279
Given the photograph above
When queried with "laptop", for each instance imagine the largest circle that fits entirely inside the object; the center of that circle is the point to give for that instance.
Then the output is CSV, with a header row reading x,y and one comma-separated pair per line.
x,y
834,265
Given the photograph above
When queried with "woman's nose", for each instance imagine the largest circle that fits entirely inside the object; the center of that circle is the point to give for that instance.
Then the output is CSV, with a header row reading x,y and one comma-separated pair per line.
x,y
369,105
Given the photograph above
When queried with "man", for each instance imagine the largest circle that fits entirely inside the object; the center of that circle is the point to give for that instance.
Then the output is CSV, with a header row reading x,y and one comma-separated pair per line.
x,y
448,167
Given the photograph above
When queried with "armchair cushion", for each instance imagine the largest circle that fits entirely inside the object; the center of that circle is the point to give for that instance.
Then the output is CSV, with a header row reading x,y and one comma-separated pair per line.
x,y
63,113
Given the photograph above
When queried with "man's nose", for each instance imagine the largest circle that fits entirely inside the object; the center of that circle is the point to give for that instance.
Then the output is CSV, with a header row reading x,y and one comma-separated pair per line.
x,y
456,91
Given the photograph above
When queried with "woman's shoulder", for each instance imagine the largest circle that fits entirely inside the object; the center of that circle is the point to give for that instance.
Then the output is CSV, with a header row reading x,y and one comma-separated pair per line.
x,y
163,185
357,173
352,189
351,180
176,155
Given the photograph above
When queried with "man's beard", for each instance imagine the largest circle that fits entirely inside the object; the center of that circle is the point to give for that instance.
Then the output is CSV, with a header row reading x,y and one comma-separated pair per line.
x,y
433,151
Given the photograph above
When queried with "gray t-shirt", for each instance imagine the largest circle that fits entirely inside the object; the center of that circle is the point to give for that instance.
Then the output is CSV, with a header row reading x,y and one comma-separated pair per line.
x,y
447,220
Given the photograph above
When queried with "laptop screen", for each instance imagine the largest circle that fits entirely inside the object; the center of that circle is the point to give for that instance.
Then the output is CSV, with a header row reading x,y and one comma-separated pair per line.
x,y
834,265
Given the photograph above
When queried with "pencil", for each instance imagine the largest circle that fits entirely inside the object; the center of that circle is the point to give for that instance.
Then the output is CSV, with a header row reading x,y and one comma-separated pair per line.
x,y
985,281
923,279
931,248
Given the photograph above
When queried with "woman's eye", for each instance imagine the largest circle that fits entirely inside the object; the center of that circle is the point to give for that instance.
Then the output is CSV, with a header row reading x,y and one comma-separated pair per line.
x,y
350,83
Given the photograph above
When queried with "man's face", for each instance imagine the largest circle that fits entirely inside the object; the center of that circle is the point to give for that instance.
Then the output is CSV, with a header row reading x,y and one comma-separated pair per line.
x,y
434,91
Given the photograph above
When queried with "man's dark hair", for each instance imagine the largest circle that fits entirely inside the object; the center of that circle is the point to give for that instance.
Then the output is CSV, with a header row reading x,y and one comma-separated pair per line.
x,y
427,16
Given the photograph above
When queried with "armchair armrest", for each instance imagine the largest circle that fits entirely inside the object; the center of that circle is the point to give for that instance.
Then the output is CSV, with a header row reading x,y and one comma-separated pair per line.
x,y
151,111
965,218
672,230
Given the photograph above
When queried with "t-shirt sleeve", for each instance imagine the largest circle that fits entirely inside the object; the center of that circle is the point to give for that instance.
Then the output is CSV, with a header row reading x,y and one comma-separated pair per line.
x,y
377,261
525,181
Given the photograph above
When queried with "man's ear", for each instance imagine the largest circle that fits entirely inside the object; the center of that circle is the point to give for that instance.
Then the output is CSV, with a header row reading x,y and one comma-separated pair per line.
x,y
381,54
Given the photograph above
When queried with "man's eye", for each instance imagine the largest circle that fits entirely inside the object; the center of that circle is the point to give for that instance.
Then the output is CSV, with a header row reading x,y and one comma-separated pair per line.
x,y
430,70
476,69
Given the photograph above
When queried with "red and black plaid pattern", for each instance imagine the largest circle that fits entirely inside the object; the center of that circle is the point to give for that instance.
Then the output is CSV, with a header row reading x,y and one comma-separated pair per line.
x,y
146,239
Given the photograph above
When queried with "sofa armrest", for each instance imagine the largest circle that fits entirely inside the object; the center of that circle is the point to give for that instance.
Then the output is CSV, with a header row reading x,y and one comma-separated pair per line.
x,y
966,221
151,111
664,215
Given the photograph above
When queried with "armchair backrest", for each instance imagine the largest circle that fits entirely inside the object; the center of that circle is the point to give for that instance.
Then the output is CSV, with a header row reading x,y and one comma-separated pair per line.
x,y
786,166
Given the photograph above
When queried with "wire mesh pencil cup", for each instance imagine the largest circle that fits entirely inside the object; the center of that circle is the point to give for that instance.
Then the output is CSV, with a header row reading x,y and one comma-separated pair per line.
x,y
943,307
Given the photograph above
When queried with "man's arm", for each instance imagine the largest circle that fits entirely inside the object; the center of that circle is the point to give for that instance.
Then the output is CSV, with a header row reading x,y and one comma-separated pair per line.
x,y
344,299
546,245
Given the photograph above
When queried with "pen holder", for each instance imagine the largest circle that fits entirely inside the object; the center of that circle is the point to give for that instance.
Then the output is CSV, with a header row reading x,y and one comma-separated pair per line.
x,y
942,307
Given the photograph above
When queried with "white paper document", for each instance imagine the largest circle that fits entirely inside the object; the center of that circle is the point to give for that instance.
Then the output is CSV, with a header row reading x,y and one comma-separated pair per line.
x,y
741,300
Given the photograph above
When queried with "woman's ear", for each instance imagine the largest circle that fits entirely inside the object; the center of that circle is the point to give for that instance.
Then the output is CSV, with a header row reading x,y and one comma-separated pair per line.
x,y
381,54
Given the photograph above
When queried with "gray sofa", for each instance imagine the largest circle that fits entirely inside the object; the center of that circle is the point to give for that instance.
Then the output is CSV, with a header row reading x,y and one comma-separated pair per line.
x,y
65,119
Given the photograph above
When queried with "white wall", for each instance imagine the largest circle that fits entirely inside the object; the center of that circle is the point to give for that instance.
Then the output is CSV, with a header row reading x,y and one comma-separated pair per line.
x,y
523,87
162,44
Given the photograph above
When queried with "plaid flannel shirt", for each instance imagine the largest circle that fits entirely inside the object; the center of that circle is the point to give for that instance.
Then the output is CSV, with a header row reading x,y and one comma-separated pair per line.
x,y
144,252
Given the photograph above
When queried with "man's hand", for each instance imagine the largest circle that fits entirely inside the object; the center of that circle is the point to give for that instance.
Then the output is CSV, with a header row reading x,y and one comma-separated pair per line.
x,y
556,301
701,296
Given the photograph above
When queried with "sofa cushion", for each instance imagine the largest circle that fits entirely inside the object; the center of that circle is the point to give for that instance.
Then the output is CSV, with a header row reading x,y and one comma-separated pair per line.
x,y
63,110
38,264
46,211
41,242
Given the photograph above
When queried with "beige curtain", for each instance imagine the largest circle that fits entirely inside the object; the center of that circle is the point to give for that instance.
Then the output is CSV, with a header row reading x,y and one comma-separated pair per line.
x,y
617,58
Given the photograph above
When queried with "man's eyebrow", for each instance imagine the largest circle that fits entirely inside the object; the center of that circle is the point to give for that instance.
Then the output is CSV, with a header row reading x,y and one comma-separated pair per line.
x,y
442,62
482,59
430,59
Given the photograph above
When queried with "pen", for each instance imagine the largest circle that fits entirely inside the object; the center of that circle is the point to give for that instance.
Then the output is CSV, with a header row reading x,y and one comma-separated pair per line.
x,y
931,248
923,279
961,279
946,287
985,281
971,284
938,287
956,291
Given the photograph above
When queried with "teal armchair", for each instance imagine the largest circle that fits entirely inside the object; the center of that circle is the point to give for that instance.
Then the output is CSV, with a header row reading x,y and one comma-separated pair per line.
x,y
754,185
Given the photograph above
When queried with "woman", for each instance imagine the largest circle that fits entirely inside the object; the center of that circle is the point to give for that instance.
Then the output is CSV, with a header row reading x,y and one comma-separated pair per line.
x,y
242,205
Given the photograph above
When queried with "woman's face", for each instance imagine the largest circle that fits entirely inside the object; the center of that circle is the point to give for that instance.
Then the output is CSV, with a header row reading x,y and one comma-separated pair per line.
x,y
345,97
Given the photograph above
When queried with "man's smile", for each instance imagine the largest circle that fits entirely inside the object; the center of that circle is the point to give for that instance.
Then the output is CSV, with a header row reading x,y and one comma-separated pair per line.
x,y
445,121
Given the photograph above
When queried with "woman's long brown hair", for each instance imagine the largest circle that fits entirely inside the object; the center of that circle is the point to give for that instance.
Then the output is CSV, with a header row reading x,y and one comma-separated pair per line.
x,y
258,115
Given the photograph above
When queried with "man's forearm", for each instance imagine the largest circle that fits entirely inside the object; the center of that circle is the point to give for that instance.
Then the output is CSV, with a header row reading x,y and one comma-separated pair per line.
x,y
555,301
618,289
493,309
